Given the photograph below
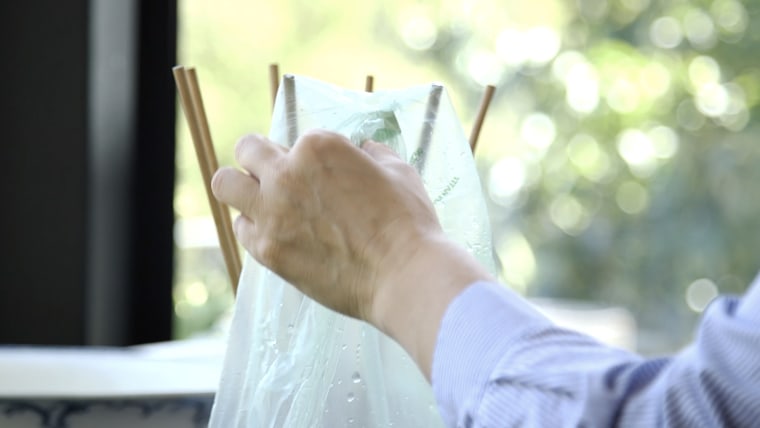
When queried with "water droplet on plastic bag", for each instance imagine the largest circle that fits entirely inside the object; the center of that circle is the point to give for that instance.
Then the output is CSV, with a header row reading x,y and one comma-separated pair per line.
x,y
356,377
351,397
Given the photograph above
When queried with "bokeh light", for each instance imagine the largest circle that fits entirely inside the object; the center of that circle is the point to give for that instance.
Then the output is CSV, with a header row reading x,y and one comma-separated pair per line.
x,y
704,70
632,197
638,151
506,178
699,29
418,31
569,214
538,130
666,32
588,157
654,80
700,293
730,15
664,141
582,87
518,260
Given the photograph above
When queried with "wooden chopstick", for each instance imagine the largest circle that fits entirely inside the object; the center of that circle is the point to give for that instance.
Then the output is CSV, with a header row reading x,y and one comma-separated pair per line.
x,y
192,104
208,144
369,83
485,102
274,82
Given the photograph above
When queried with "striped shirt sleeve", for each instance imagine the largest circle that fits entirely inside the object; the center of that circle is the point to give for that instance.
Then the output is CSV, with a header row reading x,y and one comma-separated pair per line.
x,y
500,363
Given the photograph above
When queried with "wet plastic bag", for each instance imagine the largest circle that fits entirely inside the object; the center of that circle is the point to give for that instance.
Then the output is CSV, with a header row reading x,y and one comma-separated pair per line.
x,y
291,362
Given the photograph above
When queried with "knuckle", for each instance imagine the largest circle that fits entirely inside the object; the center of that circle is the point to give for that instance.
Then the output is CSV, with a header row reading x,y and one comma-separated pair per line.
x,y
317,133
248,207
268,253
313,140
242,146
244,232
319,141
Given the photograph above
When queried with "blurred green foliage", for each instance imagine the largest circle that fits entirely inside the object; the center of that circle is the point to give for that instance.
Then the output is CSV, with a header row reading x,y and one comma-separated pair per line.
x,y
620,154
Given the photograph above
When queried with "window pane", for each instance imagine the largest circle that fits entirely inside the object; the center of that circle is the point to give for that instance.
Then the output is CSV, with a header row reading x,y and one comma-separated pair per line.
x,y
617,158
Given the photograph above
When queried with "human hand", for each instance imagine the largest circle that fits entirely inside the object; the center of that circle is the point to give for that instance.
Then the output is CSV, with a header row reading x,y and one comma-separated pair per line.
x,y
352,228
332,219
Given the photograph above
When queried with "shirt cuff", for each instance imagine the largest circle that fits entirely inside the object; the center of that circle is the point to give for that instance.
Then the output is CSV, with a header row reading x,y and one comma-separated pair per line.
x,y
479,327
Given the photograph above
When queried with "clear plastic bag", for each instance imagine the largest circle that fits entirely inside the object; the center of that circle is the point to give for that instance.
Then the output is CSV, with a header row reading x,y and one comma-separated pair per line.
x,y
291,362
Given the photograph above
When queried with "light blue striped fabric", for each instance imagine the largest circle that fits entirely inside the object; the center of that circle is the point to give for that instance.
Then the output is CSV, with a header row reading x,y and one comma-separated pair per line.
x,y
499,363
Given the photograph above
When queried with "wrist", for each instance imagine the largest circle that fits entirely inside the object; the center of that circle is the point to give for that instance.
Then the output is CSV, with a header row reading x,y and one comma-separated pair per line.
x,y
412,298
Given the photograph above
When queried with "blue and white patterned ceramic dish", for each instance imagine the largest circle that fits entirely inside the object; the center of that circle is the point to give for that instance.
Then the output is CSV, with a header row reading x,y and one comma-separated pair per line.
x,y
167,385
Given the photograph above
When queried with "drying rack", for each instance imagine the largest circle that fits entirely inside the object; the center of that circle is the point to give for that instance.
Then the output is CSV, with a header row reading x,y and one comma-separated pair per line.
x,y
186,79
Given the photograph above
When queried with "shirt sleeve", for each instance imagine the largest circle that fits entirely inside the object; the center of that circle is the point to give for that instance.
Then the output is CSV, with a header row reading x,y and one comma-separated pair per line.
x,y
498,362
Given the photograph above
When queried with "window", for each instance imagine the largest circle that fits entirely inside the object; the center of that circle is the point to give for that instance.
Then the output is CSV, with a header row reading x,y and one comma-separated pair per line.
x,y
617,158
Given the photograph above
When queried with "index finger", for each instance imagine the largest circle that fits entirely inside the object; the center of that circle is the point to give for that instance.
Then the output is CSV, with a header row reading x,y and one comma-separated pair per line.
x,y
256,153
236,189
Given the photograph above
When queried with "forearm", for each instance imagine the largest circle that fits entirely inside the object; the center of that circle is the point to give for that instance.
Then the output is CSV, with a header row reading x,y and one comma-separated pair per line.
x,y
498,362
412,301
